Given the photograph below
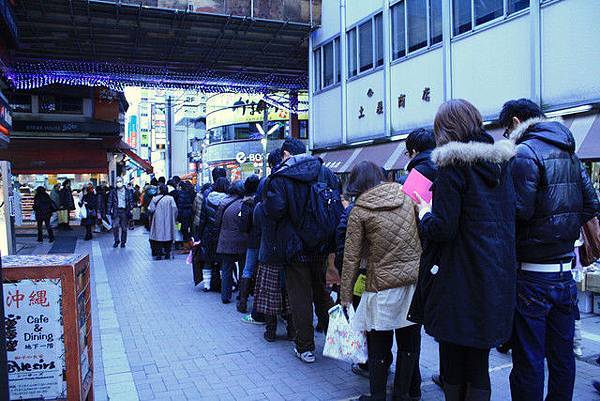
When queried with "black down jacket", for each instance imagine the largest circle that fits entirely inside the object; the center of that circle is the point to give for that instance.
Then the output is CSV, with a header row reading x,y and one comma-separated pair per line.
x,y
423,164
43,206
209,230
286,199
471,290
555,197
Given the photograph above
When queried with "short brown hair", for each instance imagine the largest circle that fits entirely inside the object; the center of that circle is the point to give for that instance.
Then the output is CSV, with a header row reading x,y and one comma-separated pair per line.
x,y
457,120
364,176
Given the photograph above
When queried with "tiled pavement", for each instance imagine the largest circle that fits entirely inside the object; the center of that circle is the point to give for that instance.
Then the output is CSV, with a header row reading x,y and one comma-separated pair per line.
x,y
156,337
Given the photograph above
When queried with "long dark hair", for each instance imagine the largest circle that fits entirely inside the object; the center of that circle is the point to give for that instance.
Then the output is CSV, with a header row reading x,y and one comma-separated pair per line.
x,y
364,176
221,185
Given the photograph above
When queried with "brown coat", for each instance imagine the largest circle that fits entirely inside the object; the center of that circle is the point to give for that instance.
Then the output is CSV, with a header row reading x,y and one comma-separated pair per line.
x,y
382,228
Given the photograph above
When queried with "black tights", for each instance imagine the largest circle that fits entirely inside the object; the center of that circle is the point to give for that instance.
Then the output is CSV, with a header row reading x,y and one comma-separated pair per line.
x,y
461,365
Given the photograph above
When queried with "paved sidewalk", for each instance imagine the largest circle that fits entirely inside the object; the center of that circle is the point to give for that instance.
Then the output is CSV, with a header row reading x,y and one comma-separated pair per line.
x,y
157,338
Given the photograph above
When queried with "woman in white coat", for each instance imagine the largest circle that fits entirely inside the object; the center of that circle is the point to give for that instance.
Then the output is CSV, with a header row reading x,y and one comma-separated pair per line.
x,y
163,210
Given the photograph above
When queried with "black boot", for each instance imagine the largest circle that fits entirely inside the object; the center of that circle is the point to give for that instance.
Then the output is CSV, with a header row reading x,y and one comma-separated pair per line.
x,y
407,379
454,392
478,394
271,328
242,305
40,237
378,371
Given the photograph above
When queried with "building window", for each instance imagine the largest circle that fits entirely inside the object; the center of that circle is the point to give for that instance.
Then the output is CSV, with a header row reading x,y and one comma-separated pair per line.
x,y
352,62
365,46
416,25
60,104
467,14
327,64
365,53
21,104
378,23
317,64
435,18
398,31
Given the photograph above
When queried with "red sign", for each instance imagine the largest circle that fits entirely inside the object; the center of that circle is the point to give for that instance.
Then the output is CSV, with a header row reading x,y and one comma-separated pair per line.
x,y
132,140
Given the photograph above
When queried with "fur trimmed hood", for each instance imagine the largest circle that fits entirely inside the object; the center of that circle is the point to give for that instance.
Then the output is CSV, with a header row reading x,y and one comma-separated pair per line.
x,y
551,131
454,153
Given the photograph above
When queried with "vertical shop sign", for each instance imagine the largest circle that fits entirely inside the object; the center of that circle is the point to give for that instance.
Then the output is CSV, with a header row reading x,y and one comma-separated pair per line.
x,y
34,339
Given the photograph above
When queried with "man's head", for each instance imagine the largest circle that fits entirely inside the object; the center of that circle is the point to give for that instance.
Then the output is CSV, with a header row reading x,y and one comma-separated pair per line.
x,y
119,182
162,180
274,158
292,147
57,187
419,140
514,112
218,172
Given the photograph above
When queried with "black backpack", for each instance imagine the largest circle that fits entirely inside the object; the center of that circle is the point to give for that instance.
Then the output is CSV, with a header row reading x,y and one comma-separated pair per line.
x,y
321,216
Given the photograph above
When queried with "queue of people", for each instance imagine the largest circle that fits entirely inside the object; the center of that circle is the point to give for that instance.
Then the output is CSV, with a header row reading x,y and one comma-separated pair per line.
x,y
486,263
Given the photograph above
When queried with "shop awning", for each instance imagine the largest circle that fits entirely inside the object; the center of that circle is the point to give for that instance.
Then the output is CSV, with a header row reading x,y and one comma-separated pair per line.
x,y
586,130
389,155
56,156
143,164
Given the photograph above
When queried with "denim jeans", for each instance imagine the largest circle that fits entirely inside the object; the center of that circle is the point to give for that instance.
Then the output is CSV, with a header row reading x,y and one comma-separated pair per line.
x,y
227,274
544,327
251,263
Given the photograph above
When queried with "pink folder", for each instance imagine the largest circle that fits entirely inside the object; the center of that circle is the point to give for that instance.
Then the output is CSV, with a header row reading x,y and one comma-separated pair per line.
x,y
417,182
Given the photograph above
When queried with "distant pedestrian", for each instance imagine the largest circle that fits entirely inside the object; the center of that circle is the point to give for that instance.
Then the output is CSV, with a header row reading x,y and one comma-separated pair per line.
x,y
150,191
55,197
162,230
248,227
470,307
185,211
383,230
209,231
120,204
43,208
197,209
232,244
67,204
555,197
89,201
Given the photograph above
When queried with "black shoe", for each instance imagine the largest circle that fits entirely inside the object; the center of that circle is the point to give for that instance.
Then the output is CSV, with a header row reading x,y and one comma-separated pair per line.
x,y
270,336
123,245
359,370
596,385
242,305
116,244
226,301
167,256
40,239
503,348
478,394
378,370
51,239
157,258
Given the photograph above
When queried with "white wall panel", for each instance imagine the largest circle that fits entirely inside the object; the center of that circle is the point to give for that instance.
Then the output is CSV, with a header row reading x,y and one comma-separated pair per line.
x,y
356,10
327,114
571,52
410,78
330,22
372,124
493,66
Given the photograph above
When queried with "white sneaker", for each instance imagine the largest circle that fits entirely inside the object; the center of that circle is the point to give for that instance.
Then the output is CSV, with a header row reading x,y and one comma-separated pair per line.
x,y
578,351
306,357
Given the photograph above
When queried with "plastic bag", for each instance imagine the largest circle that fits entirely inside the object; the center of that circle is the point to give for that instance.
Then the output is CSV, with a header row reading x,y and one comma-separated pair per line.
x,y
342,342
83,212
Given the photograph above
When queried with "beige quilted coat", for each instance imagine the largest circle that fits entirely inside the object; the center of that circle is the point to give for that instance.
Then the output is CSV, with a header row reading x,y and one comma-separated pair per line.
x,y
382,228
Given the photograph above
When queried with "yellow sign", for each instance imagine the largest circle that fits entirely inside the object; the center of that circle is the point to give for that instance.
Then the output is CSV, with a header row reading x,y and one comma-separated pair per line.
x,y
236,108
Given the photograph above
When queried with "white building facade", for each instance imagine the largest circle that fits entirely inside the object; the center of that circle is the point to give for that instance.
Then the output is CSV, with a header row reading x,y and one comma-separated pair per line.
x,y
381,68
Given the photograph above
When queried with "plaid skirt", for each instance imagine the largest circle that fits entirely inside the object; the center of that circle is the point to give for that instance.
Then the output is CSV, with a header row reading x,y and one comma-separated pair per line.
x,y
269,296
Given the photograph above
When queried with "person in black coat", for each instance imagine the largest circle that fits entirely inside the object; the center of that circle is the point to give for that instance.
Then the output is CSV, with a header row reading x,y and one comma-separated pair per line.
x,y
90,201
470,305
67,203
43,208
253,243
185,213
555,197
419,145
285,204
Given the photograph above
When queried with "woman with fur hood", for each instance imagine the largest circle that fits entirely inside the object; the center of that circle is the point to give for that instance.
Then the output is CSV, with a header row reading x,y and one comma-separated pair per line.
x,y
470,304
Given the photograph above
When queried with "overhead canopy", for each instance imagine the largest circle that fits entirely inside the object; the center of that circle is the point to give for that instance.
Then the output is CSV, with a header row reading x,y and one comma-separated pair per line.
x,y
143,164
586,130
389,155
56,156
113,43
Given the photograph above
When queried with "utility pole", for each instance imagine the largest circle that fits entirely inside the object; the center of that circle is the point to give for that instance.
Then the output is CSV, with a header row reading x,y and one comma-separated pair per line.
x,y
169,117
265,139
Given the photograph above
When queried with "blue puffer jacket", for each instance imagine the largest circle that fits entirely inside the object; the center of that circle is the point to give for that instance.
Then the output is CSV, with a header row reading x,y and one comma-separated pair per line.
x,y
555,197
287,194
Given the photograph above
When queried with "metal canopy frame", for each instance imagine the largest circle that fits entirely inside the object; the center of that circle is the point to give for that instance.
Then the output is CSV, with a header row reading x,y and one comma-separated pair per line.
x,y
132,42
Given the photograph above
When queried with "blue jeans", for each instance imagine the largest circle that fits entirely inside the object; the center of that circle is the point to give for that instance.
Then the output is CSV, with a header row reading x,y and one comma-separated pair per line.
x,y
544,328
227,268
251,263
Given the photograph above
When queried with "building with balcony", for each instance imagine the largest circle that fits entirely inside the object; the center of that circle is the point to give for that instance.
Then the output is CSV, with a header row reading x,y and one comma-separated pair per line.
x,y
381,68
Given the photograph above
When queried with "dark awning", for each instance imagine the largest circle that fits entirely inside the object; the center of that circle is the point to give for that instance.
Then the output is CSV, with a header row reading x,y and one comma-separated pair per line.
x,y
143,164
56,156
586,130
389,155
